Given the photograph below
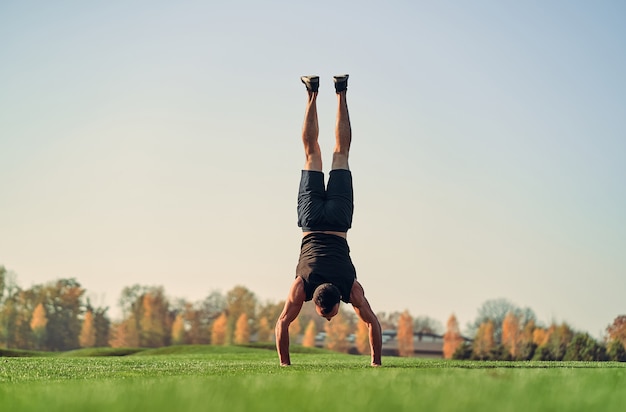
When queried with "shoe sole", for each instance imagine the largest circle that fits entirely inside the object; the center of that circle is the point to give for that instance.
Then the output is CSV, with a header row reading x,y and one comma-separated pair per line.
x,y
312,83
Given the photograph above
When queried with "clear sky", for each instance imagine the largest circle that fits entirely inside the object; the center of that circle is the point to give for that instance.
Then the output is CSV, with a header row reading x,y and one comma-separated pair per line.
x,y
158,143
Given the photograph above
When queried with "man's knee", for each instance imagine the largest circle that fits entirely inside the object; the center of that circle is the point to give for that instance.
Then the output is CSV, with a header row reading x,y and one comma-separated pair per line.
x,y
340,160
313,161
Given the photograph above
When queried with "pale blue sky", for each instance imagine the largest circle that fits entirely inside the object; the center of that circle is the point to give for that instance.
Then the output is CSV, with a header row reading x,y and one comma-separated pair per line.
x,y
158,143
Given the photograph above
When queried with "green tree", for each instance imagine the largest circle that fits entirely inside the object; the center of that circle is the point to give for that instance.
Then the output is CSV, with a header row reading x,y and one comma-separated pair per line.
x,y
12,311
102,324
64,306
3,275
616,351
584,348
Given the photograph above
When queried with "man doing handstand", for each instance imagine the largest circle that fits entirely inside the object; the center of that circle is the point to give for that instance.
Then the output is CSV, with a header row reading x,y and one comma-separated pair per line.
x,y
325,273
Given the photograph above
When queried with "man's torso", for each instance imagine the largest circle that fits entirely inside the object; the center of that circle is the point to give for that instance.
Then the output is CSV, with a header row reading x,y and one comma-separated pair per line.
x,y
325,258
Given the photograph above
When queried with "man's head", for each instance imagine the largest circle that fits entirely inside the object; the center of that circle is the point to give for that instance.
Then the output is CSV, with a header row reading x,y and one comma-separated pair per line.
x,y
326,298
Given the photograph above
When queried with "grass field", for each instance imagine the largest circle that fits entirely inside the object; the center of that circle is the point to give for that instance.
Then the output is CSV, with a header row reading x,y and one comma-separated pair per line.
x,y
206,378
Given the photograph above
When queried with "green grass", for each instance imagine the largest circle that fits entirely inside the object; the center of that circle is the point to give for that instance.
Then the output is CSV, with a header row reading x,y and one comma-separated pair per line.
x,y
206,378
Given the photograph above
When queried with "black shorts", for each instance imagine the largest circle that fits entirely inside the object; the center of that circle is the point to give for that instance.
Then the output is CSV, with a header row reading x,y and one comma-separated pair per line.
x,y
325,208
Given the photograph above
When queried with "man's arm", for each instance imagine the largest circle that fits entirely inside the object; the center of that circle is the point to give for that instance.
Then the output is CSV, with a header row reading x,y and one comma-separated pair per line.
x,y
294,302
365,312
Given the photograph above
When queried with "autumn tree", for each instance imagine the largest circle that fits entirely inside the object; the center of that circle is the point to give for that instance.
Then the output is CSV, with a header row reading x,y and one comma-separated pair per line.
x,y
219,329
556,341
511,334
495,310
87,337
484,341
178,330
309,335
242,330
38,325
239,300
154,324
264,333
527,346
337,332
617,330
452,339
200,316
271,310
295,328
540,336
124,334
362,338
405,334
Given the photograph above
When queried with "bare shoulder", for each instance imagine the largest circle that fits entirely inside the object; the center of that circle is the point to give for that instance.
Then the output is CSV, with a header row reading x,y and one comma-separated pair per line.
x,y
357,295
297,293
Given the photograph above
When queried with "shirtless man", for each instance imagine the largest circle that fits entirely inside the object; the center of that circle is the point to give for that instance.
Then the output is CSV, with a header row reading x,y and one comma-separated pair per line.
x,y
325,273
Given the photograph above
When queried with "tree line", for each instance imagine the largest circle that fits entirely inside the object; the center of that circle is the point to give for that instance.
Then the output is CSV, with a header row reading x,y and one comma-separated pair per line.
x,y
57,316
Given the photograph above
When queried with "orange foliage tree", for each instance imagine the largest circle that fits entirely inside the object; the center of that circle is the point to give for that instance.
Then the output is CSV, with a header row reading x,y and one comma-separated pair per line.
x,y
617,330
405,334
511,334
219,329
309,335
124,334
264,333
87,337
178,330
38,325
294,330
540,336
452,339
154,320
242,330
362,338
337,331
484,341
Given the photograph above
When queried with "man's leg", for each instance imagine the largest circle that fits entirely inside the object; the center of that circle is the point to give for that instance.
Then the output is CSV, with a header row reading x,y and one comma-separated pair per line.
x,y
343,131
310,129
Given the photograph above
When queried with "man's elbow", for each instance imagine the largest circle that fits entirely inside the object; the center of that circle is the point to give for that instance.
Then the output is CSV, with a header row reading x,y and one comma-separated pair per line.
x,y
281,325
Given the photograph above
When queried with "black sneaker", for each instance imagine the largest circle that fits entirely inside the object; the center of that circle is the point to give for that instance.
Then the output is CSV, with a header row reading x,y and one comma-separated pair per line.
x,y
341,82
312,83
